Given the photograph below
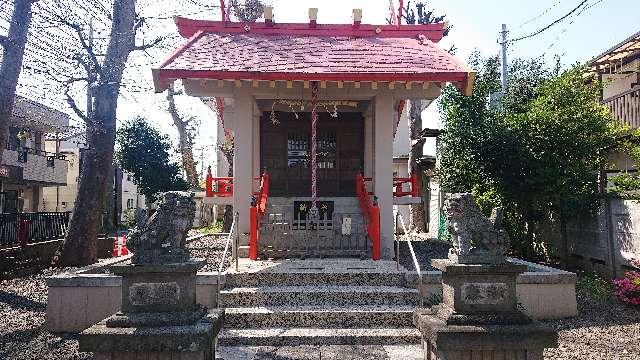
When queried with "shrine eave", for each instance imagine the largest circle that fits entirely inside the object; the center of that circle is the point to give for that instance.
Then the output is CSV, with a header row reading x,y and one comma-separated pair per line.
x,y
230,51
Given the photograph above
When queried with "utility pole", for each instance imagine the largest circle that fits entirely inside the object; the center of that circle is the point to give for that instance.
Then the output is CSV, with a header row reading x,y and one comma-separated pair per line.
x,y
504,58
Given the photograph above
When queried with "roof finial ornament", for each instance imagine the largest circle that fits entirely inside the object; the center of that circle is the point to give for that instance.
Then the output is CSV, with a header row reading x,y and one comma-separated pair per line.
x,y
268,15
313,17
357,17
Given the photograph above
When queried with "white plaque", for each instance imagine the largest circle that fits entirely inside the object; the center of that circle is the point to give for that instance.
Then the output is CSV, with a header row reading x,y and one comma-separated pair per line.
x,y
346,226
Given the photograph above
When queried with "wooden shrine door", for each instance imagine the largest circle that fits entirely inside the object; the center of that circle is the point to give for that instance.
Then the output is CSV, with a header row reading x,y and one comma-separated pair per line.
x,y
285,151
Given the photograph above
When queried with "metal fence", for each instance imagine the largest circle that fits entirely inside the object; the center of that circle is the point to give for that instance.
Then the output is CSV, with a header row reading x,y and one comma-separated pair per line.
x,y
28,228
341,235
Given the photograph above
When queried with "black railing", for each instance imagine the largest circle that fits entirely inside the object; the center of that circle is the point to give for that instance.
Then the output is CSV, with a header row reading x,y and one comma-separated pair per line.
x,y
28,228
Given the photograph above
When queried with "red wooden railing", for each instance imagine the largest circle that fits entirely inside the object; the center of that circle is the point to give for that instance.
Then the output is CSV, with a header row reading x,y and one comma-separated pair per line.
x,y
218,186
371,214
256,214
398,184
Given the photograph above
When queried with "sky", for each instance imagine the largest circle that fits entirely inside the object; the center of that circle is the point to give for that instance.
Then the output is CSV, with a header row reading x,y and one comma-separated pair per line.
x,y
476,25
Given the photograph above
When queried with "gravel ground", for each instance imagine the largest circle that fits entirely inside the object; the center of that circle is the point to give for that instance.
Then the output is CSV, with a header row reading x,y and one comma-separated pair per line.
x,y
22,308
425,250
601,331
211,249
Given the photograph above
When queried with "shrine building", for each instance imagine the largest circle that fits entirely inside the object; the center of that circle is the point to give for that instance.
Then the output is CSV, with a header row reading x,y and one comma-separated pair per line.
x,y
312,110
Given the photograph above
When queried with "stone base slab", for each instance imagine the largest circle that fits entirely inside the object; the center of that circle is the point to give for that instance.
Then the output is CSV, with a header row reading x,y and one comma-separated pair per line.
x,y
195,340
200,355
452,342
434,354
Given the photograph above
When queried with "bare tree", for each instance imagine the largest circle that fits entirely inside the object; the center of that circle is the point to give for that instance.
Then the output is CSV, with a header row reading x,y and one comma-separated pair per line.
x,y
423,16
13,46
417,214
104,77
186,135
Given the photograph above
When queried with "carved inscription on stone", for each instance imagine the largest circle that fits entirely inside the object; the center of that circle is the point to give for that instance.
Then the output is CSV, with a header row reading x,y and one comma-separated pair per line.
x,y
484,293
142,294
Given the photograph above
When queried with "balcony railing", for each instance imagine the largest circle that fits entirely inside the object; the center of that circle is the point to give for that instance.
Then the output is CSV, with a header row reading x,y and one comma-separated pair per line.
x,y
27,228
625,107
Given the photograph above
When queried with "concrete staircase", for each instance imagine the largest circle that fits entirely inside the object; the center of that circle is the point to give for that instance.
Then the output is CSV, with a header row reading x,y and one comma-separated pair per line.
x,y
318,302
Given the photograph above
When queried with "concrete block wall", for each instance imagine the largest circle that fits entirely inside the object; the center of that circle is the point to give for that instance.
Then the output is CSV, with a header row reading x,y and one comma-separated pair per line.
x,y
601,243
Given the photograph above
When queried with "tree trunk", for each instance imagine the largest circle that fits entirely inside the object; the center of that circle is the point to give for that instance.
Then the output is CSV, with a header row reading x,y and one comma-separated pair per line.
x,y
186,140
13,53
80,245
417,142
227,219
564,244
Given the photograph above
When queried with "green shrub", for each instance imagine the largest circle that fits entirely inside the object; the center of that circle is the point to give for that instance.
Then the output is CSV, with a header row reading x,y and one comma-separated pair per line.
x,y
213,228
595,286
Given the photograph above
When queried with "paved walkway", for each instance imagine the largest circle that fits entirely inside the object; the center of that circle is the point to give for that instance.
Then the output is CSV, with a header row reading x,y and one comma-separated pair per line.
x,y
327,265
329,352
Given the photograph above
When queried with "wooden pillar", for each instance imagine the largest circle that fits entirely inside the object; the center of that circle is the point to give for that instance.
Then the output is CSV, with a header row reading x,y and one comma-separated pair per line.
x,y
243,161
383,169
368,143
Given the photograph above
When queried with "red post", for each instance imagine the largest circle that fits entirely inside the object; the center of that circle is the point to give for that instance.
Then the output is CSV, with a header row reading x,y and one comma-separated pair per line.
x,y
23,232
415,187
253,232
398,190
209,183
374,231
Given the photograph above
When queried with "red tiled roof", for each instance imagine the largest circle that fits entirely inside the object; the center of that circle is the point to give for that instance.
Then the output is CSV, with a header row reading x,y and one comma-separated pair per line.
x,y
249,55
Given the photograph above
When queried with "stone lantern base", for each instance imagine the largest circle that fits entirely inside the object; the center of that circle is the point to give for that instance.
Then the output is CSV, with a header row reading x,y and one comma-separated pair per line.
x,y
186,342
479,318
488,342
159,317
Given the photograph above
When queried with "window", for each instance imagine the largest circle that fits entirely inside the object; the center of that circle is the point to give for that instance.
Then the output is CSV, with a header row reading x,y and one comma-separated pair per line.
x,y
13,142
298,150
129,203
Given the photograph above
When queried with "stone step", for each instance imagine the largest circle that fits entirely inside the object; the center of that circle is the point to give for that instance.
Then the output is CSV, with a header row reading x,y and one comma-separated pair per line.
x,y
324,317
320,352
315,277
315,336
323,295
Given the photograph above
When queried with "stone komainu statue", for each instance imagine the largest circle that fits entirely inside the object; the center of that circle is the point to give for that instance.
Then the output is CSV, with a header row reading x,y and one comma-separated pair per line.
x,y
476,238
161,238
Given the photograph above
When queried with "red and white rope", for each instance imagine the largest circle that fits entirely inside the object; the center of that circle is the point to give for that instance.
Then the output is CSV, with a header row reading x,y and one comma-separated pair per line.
x,y
314,123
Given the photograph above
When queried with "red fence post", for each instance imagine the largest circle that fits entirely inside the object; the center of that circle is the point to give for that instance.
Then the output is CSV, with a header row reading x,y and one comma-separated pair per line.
x,y
209,183
415,188
374,230
253,231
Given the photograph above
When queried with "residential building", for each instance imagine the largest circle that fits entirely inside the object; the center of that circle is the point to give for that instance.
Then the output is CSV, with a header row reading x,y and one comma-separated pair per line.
x,y
619,70
62,198
27,169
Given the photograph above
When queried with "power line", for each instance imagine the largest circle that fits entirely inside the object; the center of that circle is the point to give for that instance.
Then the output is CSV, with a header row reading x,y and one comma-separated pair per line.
x,y
550,25
539,15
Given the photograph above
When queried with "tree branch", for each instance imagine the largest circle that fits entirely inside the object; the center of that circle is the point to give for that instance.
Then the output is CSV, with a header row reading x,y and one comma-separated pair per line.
x,y
72,102
86,46
4,40
149,45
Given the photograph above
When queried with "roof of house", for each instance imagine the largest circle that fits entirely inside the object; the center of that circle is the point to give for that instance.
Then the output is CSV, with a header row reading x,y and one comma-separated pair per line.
x,y
30,113
616,56
266,51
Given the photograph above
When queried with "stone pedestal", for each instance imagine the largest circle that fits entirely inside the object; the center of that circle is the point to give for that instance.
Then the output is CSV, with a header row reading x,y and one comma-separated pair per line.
x,y
479,317
159,317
